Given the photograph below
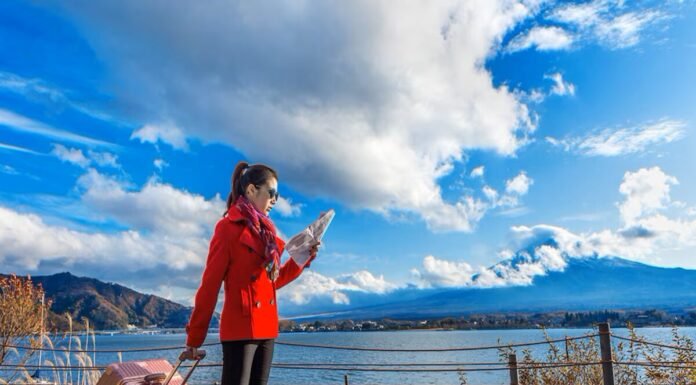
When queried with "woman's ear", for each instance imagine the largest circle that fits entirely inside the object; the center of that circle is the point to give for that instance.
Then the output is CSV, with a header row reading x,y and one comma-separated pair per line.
x,y
250,190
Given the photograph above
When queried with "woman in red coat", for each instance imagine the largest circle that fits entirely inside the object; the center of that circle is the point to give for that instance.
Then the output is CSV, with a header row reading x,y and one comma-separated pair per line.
x,y
245,254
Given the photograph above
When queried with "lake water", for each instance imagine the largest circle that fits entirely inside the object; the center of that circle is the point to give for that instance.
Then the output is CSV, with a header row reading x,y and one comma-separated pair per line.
x,y
421,339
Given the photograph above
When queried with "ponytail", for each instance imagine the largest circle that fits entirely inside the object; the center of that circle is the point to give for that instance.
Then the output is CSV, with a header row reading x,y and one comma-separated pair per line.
x,y
244,175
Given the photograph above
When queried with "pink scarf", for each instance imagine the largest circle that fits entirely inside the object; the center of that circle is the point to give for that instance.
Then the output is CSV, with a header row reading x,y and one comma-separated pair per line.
x,y
262,226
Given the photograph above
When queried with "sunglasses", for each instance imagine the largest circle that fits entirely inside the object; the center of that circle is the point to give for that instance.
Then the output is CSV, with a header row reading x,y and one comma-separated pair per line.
x,y
272,193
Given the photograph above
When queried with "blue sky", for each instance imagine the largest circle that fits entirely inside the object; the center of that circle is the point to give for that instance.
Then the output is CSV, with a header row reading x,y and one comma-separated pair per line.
x,y
448,137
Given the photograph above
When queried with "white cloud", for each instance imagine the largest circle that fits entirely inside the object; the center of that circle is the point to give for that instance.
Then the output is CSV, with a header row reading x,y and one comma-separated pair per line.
x,y
28,87
285,207
606,23
70,155
490,193
9,170
104,159
583,15
624,31
477,172
560,86
519,185
543,39
437,272
21,123
160,164
518,270
116,255
156,207
77,157
312,285
167,237
623,141
166,133
37,89
645,191
10,147
647,236
403,96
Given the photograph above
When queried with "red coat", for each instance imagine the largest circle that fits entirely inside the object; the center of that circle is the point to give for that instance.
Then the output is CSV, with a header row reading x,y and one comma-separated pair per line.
x,y
250,310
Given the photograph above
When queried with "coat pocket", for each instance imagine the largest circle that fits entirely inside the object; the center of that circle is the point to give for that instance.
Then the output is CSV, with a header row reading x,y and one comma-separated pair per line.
x,y
246,301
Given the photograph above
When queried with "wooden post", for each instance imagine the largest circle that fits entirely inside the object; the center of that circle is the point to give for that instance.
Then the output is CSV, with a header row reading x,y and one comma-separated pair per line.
x,y
512,364
345,379
566,349
605,349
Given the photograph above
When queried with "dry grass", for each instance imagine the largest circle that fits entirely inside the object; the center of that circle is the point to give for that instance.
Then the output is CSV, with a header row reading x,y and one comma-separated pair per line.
x,y
587,350
22,320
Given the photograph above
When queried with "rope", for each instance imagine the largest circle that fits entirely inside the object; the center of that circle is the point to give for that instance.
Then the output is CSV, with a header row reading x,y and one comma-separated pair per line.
x,y
57,367
469,348
357,369
667,364
349,367
485,347
63,349
641,341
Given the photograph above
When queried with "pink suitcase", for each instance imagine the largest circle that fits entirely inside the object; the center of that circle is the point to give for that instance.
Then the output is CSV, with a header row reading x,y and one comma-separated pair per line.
x,y
148,372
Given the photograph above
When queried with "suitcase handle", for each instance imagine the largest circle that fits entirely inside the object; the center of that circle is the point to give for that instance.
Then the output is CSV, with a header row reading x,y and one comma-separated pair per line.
x,y
186,355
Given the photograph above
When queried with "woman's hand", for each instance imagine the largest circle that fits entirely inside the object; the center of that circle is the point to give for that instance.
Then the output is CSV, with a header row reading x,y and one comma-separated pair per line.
x,y
313,252
190,353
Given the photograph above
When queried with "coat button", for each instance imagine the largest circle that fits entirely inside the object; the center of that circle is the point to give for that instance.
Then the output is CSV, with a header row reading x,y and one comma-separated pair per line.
x,y
251,250
253,278
258,303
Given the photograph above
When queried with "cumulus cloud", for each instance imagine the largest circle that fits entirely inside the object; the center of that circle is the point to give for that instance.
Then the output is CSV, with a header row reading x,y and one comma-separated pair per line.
x,y
115,255
166,241
518,270
543,39
312,285
70,155
165,133
77,157
286,208
401,92
646,235
646,191
623,141
515,188
519,185
156,207
437,272
104,159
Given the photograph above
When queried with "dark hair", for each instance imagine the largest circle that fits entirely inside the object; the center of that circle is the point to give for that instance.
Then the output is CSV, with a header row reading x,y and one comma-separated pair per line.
x,y
244,175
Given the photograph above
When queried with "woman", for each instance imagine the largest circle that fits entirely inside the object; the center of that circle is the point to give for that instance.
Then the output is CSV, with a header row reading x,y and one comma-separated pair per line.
x,y
245,254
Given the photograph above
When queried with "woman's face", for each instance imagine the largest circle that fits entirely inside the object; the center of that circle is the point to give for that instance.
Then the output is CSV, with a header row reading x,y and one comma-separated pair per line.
x,y
264,196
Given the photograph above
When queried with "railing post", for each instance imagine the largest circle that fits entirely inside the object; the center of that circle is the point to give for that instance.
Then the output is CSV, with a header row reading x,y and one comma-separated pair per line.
x,y
605,349
345,379
512,364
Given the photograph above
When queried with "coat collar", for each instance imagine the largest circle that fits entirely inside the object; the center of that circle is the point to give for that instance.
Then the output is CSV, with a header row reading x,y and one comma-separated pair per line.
x,y
235,216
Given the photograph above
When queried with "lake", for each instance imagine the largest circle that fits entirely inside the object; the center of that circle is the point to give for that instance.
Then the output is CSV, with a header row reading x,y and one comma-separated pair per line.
x,y
420,339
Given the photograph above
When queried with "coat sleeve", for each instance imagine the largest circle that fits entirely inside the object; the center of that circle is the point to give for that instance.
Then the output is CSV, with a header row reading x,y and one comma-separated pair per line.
x,y
288,272
207,294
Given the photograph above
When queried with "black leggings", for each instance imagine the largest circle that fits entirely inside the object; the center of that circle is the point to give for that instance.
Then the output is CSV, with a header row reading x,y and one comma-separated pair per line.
x,y
246,362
